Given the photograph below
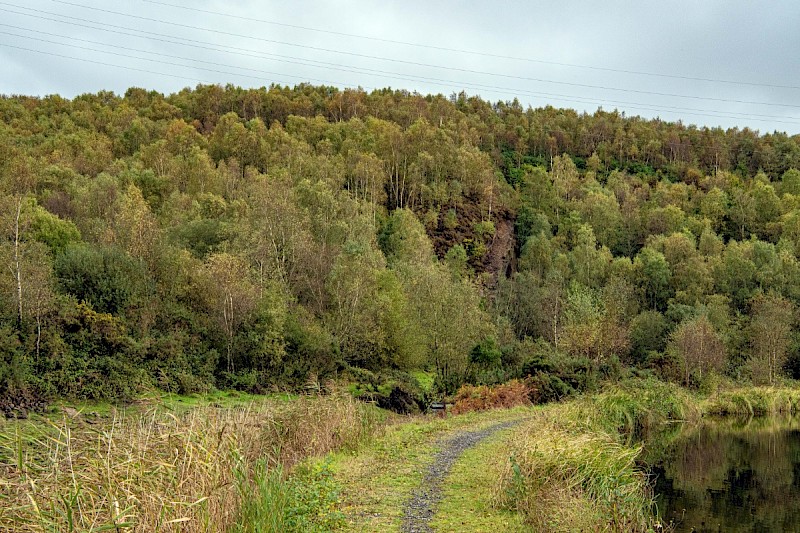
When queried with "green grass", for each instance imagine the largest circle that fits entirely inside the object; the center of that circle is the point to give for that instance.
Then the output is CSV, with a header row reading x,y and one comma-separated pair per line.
x,y
378,480
306,501
563,479
753,401
470,499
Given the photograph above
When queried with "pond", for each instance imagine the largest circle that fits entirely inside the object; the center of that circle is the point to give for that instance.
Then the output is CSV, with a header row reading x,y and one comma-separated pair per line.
x,y
728,475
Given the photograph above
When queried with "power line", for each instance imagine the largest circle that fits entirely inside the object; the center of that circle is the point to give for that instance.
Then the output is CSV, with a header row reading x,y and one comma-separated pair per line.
x,y
512,91
196,80
711,115
322,49
571,98
472,52
303,78
360,70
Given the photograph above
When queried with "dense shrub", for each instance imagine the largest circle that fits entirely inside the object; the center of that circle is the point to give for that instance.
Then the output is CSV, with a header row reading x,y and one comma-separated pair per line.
x,y
481,397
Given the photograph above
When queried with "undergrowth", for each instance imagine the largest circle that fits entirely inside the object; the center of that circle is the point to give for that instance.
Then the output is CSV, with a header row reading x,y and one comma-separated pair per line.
x,y
481,398
155,471
573,466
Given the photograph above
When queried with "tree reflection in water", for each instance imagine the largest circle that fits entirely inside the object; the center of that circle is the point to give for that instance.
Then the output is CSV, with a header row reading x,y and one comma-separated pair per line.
x,y
728,475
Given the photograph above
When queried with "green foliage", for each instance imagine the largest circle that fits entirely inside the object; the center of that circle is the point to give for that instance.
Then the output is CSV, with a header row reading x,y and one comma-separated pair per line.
x,y
305,501
552,375
106,278
486,353
56,233
267,237
403,239
14,373
648,334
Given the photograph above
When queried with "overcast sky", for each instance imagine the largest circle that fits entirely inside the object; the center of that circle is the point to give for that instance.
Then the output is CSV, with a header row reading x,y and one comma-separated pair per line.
x,y
710,62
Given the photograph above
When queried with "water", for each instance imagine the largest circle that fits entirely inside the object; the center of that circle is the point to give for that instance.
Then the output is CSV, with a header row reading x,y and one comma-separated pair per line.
x,y
728,475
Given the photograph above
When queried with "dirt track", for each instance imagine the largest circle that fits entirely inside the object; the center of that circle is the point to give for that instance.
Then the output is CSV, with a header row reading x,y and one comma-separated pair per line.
x,y
421,507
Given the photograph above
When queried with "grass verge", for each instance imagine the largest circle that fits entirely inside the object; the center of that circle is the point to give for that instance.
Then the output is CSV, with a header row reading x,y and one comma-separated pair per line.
x,y
562,480
469,502
574,465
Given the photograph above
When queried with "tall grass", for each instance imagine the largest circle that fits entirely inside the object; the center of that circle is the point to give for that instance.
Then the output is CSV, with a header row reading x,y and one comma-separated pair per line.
x,y
574,464
562,480
155,471
753,401
633,409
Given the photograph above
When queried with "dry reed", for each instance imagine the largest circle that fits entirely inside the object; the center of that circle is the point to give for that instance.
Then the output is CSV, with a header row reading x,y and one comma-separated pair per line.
x,y
155,471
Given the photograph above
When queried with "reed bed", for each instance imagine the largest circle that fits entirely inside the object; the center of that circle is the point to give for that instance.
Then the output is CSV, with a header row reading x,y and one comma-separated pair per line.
x,y
562,480
753,401
574,465
157,471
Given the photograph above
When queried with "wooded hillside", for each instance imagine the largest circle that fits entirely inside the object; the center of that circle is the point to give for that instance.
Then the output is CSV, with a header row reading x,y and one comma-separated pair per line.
x,y
223,237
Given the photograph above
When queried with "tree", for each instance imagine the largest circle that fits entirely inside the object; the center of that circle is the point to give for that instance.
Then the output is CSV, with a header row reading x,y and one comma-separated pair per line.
x,y
105,277
231,296
403,239
450,318
135,228
648,334
770,332
790,182
654,275
699,346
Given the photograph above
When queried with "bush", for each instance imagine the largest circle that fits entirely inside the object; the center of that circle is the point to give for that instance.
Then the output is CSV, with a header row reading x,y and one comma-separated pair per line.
x,y
481,398
544,388
558,374
107,278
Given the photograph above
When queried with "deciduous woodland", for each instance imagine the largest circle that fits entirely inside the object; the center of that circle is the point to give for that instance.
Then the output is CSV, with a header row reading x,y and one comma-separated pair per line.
x,y
274,238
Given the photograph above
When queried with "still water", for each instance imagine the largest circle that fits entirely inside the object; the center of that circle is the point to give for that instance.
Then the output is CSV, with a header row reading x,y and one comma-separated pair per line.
x,y
728,475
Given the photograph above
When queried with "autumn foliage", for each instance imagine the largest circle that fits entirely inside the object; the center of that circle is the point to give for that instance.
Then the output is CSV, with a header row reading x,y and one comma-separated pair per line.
x,y
482,397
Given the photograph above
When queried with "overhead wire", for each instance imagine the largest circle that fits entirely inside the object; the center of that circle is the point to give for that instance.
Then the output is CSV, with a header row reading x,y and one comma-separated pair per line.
x,y
360,70
103,63
304,78
471,52
570,98
313,63
331,50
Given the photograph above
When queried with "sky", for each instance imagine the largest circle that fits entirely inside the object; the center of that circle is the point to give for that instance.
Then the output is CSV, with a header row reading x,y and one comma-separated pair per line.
x,y
727,63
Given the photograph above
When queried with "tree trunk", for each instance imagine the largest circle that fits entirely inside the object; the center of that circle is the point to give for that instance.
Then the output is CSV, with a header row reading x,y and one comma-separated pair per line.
x,y
18,272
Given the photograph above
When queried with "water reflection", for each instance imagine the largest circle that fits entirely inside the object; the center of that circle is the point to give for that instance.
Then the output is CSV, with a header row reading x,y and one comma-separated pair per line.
x,y
728,475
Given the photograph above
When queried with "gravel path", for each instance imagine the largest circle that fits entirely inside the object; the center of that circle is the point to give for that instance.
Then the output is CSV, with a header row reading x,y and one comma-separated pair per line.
x,y
420,509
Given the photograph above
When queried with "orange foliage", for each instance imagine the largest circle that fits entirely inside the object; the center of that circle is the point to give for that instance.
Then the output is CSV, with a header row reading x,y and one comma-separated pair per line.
x,y
481,398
